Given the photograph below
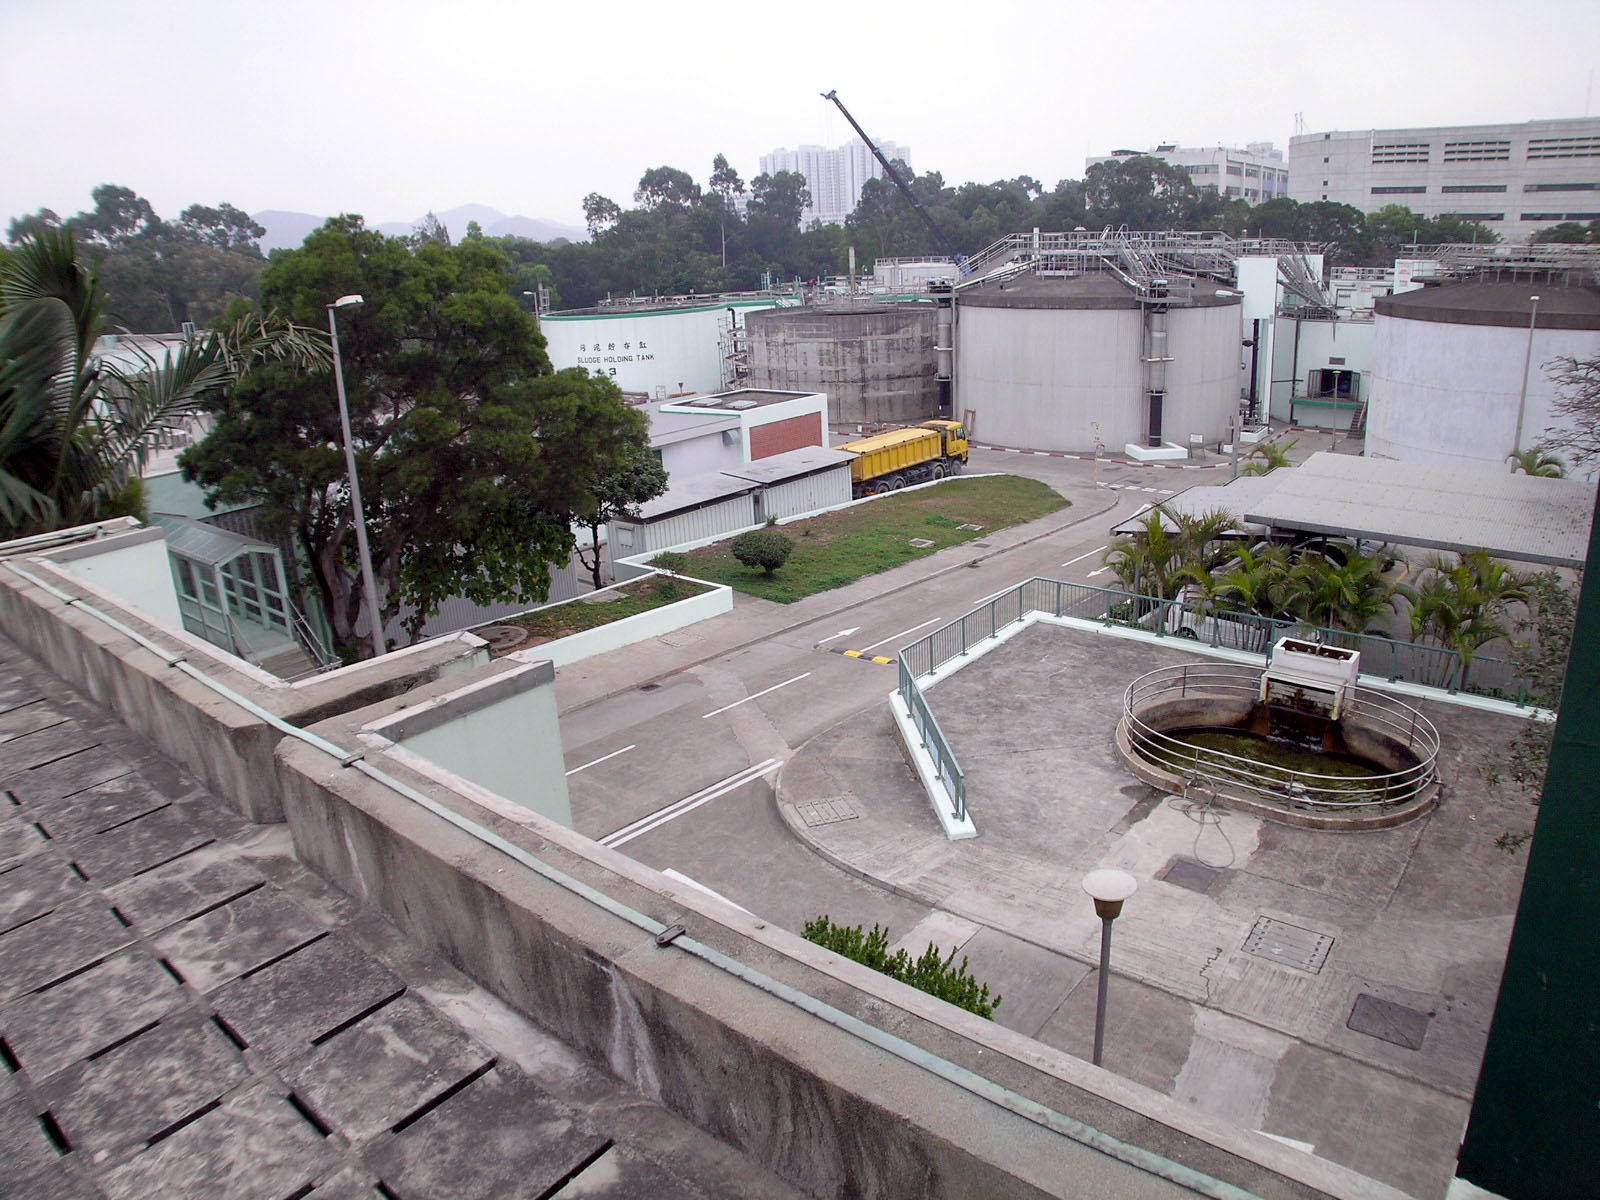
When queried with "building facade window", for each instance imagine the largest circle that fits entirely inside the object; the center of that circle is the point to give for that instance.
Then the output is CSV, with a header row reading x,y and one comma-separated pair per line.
x,y
1561,187
1401,152
1464,189
1484,151
1399,191
1568,147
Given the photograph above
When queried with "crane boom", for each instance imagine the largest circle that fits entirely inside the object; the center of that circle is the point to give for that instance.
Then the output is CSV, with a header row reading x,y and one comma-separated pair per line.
x,y
939,234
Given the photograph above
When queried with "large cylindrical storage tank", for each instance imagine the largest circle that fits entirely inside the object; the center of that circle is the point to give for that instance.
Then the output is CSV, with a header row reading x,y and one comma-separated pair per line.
x,y
1448,364
876,365
1058,363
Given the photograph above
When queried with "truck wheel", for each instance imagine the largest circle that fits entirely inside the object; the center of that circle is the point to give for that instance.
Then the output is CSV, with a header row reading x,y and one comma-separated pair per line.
x,y
877,487
897,482
938,471
955,466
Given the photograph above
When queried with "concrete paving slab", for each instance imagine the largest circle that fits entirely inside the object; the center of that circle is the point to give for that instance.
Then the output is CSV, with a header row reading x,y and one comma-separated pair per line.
x,y
28,718
20,755
191,883
145,1085
49,1030
1031,981
620,1174
284,1010
35,887
19,838
228,941
76,934
254,1145
348,1184
67,773
383,1069
1148,1031
137,845
102,806
502,1138
28,1150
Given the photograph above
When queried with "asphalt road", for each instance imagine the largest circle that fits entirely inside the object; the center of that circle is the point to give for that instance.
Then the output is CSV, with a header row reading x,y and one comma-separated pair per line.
x,y
678,772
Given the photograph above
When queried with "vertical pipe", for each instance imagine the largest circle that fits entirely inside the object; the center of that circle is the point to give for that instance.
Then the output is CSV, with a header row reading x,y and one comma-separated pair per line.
x,y
1527,363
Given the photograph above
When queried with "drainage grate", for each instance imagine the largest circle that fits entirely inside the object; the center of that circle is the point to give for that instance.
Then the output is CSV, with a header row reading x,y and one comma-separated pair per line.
x,y
921,543
1388,1021
970,528
825,812
980,545
1197,877
1288,944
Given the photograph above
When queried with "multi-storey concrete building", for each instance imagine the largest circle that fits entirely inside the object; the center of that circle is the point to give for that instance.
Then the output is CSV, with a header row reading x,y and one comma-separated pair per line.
x,y
834,177
1516,179
1255,173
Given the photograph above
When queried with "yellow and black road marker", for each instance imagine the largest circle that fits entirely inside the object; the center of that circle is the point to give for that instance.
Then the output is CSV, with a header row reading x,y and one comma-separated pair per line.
x,y
865,657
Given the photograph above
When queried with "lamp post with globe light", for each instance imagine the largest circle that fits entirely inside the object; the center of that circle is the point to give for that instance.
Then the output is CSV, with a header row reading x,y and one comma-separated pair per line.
x,y
1108,888
355,484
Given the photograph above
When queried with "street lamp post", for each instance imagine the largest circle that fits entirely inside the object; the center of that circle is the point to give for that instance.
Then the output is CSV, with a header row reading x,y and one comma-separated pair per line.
x,y
1109,888
362,549
1527,364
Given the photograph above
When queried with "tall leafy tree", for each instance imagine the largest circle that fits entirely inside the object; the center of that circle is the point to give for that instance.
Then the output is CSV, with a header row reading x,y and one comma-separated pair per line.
x,y
474,458
635,478
1141,192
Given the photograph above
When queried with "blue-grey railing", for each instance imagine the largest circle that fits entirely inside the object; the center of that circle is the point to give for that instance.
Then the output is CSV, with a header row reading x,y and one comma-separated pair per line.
x,y
1433,666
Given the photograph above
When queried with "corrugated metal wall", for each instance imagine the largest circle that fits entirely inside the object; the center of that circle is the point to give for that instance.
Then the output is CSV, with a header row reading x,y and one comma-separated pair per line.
x,y
822,490
708,522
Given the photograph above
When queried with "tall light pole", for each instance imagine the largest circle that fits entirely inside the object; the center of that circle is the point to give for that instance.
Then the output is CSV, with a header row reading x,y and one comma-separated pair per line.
x,y
367,583
1527,364
1109,888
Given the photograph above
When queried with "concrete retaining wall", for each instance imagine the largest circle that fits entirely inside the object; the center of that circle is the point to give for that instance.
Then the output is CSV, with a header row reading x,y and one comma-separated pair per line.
x,y
222,743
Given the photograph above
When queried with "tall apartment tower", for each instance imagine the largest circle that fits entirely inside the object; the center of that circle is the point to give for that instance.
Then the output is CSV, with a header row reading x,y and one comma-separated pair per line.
x,y
1516,179
834,177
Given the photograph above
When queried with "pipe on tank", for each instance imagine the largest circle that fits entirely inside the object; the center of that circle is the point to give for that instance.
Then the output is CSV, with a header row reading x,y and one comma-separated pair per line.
x,y
1156,357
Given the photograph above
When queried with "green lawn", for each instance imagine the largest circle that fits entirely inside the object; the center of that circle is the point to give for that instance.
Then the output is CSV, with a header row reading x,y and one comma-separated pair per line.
x,y
841,547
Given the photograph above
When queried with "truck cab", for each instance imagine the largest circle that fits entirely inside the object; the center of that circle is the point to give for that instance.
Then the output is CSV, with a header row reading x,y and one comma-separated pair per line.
x,y
955,437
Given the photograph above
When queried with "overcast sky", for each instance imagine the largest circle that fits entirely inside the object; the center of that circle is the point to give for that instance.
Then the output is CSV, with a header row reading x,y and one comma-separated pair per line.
x,y
391,108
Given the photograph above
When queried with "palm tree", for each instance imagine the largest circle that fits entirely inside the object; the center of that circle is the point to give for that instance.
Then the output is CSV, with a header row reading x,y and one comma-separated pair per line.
x,y
1169,551
1463,605
1267,457
73,427
1348,596
1539,460
1256,582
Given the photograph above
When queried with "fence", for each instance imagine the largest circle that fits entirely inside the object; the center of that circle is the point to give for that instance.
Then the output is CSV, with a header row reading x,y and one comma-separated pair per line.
x,y
1432,666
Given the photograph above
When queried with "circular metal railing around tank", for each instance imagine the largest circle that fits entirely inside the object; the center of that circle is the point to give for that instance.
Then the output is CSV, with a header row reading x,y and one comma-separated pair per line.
x,y
1237,685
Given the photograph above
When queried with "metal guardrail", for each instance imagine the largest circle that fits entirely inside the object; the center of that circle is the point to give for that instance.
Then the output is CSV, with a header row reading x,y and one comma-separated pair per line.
x,y
1278,785
1432,666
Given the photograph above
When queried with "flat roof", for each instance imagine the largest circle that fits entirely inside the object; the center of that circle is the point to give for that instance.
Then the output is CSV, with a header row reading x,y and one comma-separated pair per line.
x,y
1526,518
694,491
792,464
669,425
741,398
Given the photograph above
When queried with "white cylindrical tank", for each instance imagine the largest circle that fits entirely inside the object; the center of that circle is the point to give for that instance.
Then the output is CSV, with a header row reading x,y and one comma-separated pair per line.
x,y
1448,365
1058,363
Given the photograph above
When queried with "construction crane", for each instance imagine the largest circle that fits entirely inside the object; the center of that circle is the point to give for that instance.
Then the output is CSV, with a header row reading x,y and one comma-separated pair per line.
x,y
939,234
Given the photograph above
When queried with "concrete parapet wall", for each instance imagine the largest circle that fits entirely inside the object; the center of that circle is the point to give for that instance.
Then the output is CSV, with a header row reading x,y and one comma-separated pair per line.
x,y
222,743
835,1114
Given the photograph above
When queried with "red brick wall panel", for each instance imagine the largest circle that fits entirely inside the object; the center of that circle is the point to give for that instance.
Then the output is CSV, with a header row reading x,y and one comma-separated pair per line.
x,y
795,433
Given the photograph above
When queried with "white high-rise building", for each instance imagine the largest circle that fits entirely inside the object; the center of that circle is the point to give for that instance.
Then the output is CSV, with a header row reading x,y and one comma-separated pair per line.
x,y
1255,173
834,177
1516,179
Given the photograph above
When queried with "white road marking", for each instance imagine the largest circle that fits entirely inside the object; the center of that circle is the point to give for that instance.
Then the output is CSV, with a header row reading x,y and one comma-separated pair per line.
x,y
901,634
840,634
688,804
596,762
1101,571
1081,557
1001,592
757,696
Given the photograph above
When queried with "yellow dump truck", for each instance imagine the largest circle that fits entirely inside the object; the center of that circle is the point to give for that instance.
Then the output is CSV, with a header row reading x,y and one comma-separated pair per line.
x,y
889,461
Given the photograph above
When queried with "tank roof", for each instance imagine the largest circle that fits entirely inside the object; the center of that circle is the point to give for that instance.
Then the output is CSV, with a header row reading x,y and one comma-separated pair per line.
x,y
1098,290
1494,302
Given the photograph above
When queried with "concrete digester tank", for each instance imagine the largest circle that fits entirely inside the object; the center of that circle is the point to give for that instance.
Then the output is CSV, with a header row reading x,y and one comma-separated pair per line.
x,y
1065,362
1449,363
876,364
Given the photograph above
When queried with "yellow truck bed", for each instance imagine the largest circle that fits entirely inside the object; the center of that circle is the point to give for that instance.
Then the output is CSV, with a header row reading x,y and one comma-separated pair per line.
x,y
896,450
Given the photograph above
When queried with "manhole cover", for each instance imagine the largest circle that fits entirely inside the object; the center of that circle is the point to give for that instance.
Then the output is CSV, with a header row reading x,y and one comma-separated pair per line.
x,y
1388,1021
825,812
1197,877
970,528
503,637
1288,944
921,543
981,545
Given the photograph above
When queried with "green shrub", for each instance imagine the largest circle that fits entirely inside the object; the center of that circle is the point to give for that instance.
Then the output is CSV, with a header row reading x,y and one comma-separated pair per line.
x,y
933,972
762,548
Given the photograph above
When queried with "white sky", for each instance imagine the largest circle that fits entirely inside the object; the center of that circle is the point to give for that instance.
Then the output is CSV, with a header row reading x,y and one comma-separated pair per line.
x,y
391,108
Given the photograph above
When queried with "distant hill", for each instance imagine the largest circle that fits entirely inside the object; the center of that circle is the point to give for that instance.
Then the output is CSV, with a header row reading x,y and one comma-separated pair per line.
x,y
289,229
